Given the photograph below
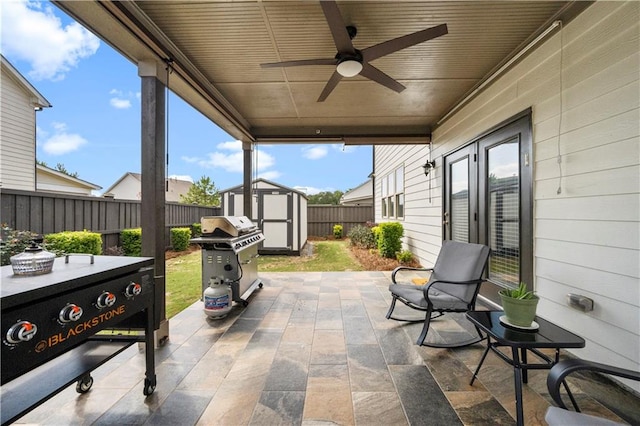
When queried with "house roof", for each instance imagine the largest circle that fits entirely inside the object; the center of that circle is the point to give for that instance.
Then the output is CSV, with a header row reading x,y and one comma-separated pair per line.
x,y
75,181
136,176
217,47
256,181
360,192
176,186
37,99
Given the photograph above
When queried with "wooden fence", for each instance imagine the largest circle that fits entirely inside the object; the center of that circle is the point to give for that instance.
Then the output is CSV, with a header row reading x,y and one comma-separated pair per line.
x,y
45,213
321,218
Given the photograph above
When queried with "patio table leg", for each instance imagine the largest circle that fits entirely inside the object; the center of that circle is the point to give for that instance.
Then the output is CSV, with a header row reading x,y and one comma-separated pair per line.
x,y
517,374
523,357
484,355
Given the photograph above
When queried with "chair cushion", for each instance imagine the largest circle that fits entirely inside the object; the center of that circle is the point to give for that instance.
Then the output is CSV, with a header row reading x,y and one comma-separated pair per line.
x,y
559,416
415,295
459,262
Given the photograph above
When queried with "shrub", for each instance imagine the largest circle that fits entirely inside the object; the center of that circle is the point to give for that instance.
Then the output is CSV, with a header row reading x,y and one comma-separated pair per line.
x,y
375,230
337,231
362,236
405,257
389,242
180,238
131,240
196,229
67,242
13,242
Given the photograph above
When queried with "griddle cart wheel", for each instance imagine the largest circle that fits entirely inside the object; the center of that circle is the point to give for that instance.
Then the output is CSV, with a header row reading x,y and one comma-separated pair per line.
x,y
84,384
149,387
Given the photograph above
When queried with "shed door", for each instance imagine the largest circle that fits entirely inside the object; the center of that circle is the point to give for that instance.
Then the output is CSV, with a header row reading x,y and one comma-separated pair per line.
x,y
276,213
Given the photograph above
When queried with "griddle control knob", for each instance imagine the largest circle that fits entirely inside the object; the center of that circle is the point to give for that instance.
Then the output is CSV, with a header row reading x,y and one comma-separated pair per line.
x,y
105,300
70,313
22,331
133,289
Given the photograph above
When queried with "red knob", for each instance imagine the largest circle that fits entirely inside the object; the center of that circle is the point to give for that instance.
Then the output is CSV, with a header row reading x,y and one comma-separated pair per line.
x,y
22,331
133,289
70,313
105,300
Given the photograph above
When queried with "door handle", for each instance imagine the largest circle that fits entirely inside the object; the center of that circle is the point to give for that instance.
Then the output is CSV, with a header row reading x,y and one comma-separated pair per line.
x,y
445,221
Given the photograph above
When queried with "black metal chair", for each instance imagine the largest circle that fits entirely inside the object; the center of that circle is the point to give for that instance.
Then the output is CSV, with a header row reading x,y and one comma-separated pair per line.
x,y
452,287
561,415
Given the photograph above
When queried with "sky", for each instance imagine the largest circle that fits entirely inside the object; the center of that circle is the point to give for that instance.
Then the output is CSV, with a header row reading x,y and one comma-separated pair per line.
x,y
93,126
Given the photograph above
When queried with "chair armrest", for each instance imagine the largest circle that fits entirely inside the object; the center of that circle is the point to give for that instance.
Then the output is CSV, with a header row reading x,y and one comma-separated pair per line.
x,y
406,268
561,370
426,288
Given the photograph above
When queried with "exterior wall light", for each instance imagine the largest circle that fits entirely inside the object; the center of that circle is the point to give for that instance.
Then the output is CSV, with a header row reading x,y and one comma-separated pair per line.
x,y
428,166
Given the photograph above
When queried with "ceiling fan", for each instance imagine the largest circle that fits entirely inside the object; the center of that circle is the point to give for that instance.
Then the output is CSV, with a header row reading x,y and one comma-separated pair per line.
x,y
350,61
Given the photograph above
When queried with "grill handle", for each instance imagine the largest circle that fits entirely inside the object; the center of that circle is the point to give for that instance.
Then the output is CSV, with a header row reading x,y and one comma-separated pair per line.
x,y
66,256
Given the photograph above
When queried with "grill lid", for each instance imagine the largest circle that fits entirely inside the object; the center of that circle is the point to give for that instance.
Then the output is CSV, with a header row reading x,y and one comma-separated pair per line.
x,y
226,226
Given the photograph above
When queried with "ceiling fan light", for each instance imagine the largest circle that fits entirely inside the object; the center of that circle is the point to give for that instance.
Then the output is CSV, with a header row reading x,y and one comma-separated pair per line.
x,y
349,68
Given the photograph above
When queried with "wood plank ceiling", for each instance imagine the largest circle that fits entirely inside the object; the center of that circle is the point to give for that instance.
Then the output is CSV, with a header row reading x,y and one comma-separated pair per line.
x,y
218,46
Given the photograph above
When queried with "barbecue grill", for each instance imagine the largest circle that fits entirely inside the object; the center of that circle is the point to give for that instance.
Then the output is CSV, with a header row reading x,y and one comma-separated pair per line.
x,y
229,251
50,325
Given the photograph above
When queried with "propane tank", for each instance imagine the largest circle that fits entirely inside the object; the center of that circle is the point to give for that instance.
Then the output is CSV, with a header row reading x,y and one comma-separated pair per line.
x,y
217,298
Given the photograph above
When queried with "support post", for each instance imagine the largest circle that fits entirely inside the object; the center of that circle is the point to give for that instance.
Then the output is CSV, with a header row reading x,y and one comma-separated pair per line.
x,y
153,184
247,201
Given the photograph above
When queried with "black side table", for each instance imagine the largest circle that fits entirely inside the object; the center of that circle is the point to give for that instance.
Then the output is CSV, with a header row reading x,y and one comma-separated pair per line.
x,y
548,335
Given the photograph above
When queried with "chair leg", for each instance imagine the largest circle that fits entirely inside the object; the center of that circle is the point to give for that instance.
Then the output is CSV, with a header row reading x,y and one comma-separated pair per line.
x,y
425,327
393,305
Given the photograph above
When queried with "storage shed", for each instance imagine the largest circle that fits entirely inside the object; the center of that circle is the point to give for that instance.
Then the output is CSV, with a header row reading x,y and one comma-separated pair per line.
x,y
279,211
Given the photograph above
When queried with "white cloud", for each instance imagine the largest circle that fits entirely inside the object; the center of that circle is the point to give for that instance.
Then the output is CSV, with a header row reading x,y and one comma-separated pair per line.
x,y
120,100
31,32
230,145
233,161
62,142
270,175
315,152
119,103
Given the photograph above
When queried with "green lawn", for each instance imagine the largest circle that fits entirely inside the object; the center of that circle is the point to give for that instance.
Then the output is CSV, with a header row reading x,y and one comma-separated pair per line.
x,y
327,256
184,282
184,273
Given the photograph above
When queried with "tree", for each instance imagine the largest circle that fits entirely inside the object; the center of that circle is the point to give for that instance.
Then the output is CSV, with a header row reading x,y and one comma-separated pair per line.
x,y
326,197
202,193
60,168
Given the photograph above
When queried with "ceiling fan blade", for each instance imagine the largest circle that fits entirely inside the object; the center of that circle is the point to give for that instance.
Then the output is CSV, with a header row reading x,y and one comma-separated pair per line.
x,y
329,61
331,84
374,74
390,46
337,26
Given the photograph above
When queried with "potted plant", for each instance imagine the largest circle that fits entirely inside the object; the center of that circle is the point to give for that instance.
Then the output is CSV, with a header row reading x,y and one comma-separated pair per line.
x,y
519,305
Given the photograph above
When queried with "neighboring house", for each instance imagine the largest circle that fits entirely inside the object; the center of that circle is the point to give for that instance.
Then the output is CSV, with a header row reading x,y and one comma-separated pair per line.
x,y
19,102
49,180
543,166
129,187
361,195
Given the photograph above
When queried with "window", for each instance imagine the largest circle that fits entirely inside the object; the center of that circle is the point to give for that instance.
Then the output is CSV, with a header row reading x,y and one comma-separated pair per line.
x,y
393,194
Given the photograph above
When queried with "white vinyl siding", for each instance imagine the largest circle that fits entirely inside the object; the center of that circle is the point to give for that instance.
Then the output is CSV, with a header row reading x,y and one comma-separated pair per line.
x,y
17,121
586,238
